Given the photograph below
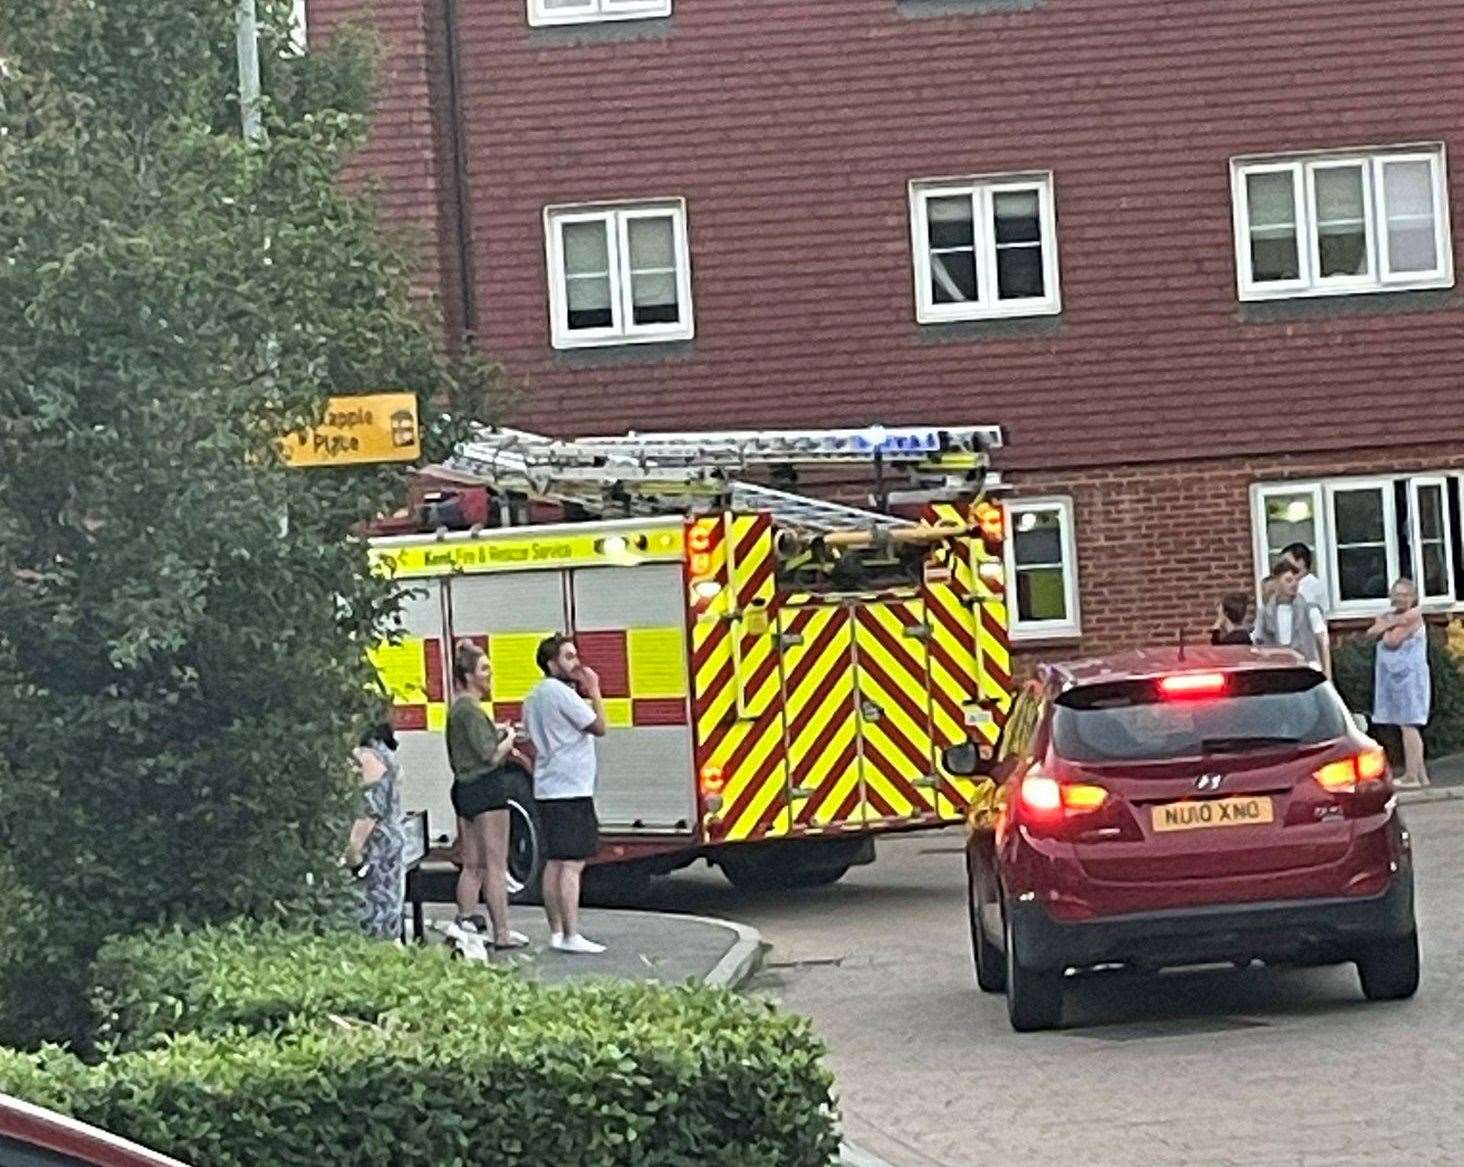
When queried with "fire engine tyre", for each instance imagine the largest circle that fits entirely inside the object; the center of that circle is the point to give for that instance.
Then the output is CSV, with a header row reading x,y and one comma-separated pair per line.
x,y
1034,997
1388,970
525,839
990,968
758,873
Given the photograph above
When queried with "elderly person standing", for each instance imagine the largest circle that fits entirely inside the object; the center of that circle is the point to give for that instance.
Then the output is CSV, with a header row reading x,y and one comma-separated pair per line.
x,y
1401,682
378,841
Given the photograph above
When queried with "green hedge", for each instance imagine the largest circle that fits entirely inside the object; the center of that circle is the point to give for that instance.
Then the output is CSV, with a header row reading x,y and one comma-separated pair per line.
x,y
1352,669
246,1045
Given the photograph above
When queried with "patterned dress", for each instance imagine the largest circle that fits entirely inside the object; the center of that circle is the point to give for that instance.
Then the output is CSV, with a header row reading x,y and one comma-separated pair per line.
x,y
386,881
1401,683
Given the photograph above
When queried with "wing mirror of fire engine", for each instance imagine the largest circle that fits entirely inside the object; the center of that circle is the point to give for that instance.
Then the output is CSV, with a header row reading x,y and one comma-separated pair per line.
x,y
966,760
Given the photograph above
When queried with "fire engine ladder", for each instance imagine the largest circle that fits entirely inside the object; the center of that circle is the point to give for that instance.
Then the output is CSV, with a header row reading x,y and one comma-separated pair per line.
x,y
651,474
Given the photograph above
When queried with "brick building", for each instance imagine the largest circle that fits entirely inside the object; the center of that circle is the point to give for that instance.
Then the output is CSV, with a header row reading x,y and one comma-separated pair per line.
x,y
1193,255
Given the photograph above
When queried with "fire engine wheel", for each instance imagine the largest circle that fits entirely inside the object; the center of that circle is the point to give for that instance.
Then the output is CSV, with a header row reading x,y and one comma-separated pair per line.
x,y
525,840
761,873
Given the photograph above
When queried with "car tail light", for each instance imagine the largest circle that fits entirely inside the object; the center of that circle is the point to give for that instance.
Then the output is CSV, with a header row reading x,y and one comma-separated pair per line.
x,y
1192,685
1347,774
1046,801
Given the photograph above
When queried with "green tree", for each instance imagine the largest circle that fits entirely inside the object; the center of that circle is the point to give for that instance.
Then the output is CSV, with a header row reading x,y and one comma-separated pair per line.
x,y
182,619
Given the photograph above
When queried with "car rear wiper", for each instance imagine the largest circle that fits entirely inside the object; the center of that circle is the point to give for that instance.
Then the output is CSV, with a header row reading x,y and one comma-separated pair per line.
x,y
1224,745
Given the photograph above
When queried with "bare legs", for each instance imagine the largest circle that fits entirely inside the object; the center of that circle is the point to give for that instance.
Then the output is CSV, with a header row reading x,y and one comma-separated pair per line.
x,y
495,889
1413,766
473,878
562,894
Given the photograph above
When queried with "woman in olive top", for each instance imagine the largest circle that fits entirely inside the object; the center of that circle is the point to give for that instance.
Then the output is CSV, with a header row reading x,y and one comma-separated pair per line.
x,y
476,749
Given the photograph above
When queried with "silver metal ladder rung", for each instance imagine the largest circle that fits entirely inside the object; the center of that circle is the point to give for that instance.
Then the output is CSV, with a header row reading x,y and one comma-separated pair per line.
x,y
796,510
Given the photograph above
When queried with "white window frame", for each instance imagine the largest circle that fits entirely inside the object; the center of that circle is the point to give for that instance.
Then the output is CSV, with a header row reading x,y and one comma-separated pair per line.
x,y
1321,560
1303,169
1383,486
299,27
1415,539
616,217
596,12
1072,626
982,191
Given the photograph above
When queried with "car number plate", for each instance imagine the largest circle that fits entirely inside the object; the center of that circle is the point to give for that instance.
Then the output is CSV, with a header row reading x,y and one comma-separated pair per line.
x,y
1215,812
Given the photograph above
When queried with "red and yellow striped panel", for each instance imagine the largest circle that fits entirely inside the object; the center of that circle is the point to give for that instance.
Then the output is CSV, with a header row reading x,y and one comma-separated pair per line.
x,y
895,712
735,680
412,673
821,724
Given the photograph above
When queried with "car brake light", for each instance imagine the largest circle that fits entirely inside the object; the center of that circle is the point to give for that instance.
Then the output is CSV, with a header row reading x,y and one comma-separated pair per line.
x,y
1044,797
1346,775
1185,685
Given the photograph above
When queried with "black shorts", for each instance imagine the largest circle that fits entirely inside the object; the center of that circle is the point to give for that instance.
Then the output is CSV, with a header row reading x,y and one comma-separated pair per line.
x,y
479,795
571,830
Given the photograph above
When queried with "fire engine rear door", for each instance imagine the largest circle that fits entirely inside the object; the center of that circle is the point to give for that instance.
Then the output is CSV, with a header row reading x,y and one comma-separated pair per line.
x,y
509,613
892,677
630,626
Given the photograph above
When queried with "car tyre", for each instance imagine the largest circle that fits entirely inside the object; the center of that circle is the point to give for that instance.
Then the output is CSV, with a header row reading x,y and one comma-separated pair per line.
x,y
1389,969
1034,996
990,968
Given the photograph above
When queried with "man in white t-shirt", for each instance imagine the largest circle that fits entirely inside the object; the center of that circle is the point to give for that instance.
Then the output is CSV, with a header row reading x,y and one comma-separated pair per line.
x,y
563,727
1314,592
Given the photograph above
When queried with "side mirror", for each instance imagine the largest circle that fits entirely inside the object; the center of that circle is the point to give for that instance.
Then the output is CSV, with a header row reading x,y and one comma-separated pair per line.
x,y
1360,720
966,760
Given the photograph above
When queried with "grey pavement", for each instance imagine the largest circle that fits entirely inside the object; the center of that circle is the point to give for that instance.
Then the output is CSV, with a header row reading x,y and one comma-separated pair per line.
x,y
640,946
1271,1067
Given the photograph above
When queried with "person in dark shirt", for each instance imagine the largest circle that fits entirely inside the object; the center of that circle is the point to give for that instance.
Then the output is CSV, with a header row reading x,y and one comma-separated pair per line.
x,y
1230,626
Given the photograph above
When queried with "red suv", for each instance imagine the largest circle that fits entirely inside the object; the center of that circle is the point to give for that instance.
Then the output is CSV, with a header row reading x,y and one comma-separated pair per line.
x,y
1173,807
31,1136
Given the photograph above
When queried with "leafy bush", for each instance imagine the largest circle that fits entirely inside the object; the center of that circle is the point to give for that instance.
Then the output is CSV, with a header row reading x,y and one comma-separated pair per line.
x,y
245,1045
1352,668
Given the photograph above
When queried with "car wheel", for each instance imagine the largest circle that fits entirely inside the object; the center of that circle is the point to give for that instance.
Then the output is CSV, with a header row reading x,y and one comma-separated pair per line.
x,y
1034,996
990,970
525,840
1388,970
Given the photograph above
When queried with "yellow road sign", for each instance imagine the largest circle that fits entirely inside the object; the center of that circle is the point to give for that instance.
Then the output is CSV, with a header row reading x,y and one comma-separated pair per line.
x,y
378,427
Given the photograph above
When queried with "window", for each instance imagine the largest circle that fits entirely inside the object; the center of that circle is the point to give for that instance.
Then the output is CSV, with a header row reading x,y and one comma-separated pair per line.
x,y
1364,534
618,275
984,249
1366,222
545,12
1042,578
1432,540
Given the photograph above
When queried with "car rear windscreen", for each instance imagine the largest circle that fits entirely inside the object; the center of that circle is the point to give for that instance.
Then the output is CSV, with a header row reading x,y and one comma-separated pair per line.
x,y
1129,721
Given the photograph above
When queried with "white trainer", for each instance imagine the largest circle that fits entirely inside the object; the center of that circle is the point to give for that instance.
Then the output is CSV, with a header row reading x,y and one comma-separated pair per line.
x,y
578,944
556,939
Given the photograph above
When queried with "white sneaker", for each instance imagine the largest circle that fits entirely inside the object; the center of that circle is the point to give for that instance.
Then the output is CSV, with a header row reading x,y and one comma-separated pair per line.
x,y
578,944
556,939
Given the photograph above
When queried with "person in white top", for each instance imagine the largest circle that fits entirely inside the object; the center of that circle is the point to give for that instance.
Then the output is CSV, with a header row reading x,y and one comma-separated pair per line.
x,y
563,727
1311,589
1288,621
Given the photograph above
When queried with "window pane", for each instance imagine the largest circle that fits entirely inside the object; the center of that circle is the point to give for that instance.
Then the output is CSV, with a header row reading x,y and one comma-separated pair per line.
x,y
586,249
1359,515
653,271
1341,221
1431,512
589,302
652,244
953,277
1037,538
1435,570
1271,199
1019,273
1041,594
1289,519
1408,195
950,222
1363,573
1017,217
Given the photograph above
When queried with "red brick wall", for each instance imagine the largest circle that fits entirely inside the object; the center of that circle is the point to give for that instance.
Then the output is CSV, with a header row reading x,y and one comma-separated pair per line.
x,y
403,159
793,126
1159,545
